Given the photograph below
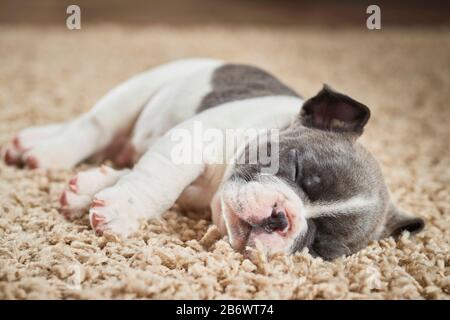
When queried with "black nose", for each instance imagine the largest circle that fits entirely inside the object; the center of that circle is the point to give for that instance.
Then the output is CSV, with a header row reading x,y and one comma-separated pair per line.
x,y
276,221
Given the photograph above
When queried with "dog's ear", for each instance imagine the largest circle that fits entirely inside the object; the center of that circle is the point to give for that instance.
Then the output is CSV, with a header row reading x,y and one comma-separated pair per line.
x,y
334,111
398,221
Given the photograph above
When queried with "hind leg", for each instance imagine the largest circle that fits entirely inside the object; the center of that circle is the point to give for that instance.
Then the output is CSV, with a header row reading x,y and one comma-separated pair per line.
x,y
92,132
87,135
112,115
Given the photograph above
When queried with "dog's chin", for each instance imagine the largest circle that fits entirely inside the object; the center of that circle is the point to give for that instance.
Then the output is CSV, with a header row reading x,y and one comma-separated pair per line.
x,y
258,215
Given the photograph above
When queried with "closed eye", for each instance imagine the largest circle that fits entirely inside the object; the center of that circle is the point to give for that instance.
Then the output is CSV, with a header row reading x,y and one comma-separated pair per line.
x,y
311,182
311,185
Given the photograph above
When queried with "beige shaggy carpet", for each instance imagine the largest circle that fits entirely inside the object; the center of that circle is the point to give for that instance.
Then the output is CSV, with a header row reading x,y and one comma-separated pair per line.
x,y
52,74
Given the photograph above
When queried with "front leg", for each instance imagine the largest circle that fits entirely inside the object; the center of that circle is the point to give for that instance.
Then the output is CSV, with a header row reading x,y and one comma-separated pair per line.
x,y
149,190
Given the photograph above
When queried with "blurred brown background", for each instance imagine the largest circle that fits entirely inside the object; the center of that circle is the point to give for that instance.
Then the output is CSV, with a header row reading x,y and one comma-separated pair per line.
x,y
236,12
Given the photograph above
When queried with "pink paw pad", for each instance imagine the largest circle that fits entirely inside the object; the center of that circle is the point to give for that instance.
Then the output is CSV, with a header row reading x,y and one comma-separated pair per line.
x,y
97,203
73,184
9,158
32,162
97,222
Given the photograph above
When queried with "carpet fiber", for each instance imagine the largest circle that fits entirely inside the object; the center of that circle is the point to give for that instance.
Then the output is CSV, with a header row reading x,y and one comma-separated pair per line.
x,y
52,74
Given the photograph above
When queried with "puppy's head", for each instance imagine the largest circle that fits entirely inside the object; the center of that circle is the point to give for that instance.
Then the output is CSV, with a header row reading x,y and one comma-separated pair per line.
x,y
328,195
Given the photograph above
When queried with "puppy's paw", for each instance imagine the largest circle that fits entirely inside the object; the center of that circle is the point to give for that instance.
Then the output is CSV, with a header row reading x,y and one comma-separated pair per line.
x,y
77,197
25,140
74,205
11,155
50,153
115,209
13,152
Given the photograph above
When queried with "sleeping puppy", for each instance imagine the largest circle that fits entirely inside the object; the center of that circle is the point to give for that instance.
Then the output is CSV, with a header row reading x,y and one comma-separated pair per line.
x,y
311,184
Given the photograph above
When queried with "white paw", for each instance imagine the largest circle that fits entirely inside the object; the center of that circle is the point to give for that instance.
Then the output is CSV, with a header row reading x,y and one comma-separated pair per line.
x,y
78,195
116,209
13,153
74,205
51,153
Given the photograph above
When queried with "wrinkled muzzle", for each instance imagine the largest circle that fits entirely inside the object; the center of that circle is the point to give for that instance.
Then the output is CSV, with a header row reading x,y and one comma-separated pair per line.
x,y
267,211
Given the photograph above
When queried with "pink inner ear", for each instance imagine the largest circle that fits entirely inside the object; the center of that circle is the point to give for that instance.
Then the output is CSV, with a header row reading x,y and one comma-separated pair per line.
x,y
344,112
323,114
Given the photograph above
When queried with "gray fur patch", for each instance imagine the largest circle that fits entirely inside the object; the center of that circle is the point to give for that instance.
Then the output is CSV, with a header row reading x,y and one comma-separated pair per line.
x,y
232,82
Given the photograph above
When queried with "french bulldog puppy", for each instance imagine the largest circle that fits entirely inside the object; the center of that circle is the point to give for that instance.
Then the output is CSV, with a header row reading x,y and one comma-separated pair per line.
x,y
326,192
